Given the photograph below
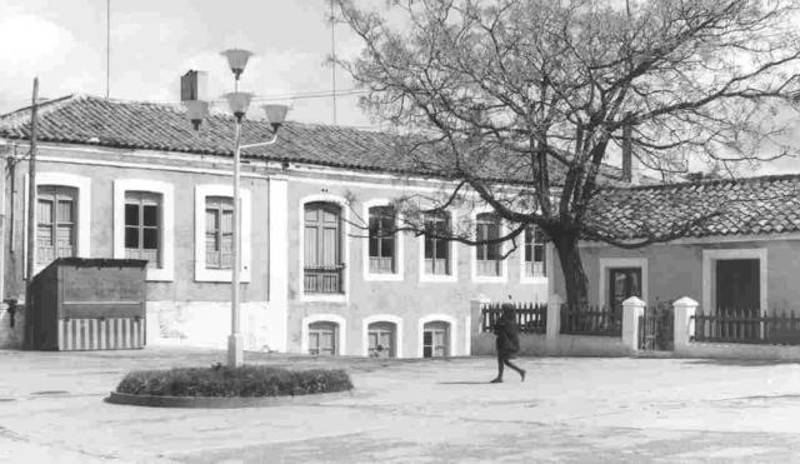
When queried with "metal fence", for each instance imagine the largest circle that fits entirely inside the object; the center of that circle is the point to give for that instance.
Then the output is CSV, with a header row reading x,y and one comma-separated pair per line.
x,y
591,320
531,317
747,326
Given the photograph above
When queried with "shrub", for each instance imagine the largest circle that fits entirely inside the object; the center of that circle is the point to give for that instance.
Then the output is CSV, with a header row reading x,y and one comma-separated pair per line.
x,y
245,381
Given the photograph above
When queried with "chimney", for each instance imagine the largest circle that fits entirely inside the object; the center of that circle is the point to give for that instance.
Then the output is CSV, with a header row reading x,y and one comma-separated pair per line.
x,y
193,86
627,154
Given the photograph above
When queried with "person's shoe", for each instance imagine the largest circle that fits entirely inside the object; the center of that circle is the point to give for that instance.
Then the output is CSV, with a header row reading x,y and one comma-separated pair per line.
x,y
497,380
522,375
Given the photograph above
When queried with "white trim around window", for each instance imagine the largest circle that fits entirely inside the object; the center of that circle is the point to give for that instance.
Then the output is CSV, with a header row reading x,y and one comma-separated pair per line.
x,y
84,233
345,250
453,276
398,248
613,263
167,222
341,331
398,336
201,273
503,277
709,274
452,333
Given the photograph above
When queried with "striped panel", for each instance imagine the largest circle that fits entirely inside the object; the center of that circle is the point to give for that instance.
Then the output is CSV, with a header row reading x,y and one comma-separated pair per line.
x,y
100,334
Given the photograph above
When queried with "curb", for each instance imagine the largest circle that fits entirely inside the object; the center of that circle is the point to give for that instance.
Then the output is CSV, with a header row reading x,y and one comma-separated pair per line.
x,y
209,402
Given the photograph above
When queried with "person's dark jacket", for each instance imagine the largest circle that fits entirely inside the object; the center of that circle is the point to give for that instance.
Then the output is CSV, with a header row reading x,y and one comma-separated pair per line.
x,y
507,342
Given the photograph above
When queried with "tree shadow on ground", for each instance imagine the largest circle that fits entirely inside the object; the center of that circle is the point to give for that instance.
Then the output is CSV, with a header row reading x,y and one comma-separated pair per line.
x,y
743,362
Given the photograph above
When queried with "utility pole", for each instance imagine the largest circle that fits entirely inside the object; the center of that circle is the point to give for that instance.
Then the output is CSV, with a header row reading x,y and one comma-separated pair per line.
x,y
32,203
108,48
333,57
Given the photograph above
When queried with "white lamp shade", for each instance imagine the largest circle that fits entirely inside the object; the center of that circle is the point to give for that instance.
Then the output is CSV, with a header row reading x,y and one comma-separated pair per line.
x,y
238,102
196,111
237,59
276,114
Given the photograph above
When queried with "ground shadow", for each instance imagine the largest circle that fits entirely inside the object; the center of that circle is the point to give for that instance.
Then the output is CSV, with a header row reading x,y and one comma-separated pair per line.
x,y
744,362
465,382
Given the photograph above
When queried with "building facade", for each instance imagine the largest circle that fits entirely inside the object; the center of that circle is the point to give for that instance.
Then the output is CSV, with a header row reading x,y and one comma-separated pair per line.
x,y
130,180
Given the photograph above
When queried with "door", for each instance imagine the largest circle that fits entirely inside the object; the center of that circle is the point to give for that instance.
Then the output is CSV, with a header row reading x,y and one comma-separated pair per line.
x,y
624,283
738,285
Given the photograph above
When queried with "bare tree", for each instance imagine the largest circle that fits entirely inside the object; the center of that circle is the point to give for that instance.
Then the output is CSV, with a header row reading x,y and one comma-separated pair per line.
x,y
521,102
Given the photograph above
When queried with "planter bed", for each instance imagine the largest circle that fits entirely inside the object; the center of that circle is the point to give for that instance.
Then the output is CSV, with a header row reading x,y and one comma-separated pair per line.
x,y
219,386
219,402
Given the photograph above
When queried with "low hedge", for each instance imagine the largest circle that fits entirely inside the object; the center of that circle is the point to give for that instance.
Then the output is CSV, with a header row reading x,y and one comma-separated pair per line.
x,y
244,381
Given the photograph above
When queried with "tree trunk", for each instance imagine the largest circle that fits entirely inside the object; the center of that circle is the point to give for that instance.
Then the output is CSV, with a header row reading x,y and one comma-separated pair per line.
x,y
575,279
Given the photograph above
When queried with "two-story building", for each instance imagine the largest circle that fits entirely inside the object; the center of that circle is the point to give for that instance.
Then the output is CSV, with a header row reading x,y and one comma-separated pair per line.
x,y
122,179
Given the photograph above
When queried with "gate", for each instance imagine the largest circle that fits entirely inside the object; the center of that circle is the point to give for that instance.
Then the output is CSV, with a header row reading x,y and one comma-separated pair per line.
x,y
656,327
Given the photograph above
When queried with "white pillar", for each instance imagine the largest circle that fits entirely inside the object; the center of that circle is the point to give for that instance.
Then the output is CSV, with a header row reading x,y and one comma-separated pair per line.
x,y
475,318
278,263
553,323
632,310
685,309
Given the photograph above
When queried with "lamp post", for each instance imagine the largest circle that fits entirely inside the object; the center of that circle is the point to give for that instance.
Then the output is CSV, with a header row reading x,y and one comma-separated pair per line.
x,y
238,103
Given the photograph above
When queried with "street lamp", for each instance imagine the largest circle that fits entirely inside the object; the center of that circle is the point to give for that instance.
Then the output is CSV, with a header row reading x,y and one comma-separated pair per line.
x,y
238,103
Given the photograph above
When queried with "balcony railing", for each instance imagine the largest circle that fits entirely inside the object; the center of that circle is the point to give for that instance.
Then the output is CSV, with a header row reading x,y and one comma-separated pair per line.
x,y
323,279
381,265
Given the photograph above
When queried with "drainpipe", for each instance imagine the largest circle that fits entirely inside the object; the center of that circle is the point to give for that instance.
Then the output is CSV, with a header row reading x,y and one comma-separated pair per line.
x,y
3,228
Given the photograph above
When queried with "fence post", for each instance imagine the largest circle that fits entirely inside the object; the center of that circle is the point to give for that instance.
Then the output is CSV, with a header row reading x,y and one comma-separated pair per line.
x,y
475,319
632,310
684,323
553,324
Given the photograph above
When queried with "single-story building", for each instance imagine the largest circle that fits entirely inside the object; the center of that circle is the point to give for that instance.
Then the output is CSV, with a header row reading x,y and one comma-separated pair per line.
x,y
739,247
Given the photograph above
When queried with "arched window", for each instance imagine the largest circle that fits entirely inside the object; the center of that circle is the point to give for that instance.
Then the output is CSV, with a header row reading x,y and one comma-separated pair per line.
x,y
323,338
382,339
323,242
436,339
489,255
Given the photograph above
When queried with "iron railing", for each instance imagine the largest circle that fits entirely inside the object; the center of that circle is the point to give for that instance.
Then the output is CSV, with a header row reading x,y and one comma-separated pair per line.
x,y
531,317
591,320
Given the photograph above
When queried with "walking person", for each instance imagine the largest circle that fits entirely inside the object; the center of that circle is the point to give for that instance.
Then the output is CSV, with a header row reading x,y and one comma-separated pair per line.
x,y
507,342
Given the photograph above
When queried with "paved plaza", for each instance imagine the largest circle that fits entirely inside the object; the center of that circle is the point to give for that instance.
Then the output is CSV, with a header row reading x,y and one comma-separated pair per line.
x,y
568,410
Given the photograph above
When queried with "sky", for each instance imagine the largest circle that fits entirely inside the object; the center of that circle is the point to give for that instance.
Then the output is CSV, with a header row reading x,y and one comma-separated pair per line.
x,y
154,42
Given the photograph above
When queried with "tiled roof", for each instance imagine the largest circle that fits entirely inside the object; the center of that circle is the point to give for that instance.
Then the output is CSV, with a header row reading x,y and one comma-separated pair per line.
x,y
83,119
748,206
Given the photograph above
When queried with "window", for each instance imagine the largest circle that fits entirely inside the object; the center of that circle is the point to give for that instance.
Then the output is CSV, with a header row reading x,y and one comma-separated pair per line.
x,y
381,339
489,256
143,227
322,248
219,233
322,338
382,242
435,339
56,223
437,248
535,260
